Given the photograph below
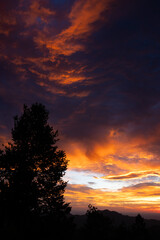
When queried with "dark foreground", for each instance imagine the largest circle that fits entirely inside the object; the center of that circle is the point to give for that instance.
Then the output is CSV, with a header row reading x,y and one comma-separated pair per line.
x,y
95,224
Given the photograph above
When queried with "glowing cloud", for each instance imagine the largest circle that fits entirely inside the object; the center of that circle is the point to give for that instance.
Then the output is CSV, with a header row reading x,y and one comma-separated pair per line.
x,y
133,175
82,17
95,65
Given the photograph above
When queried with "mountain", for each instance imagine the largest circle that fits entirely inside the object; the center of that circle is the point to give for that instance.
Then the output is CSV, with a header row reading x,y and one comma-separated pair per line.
x,y
117,219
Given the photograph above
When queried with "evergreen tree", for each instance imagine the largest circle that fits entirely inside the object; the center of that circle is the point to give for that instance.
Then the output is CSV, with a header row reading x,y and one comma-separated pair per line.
x,y
32,169
139,228
97,225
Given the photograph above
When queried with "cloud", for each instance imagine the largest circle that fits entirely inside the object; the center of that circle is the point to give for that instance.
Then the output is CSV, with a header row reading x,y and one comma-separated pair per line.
x,y
81,188
7,23
91,183
125,200
35,11
95,65
82,17
133,175
144,185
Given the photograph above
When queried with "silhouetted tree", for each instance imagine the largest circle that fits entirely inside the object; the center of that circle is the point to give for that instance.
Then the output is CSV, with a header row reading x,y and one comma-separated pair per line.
x,y
139,223
139,228
97,225
32,169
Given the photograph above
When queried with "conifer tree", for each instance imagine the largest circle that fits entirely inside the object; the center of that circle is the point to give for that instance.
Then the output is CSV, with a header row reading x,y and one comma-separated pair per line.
x,y
32,168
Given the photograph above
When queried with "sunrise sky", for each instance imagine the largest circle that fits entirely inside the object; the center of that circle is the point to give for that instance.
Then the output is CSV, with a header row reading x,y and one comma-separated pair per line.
x,y
95,65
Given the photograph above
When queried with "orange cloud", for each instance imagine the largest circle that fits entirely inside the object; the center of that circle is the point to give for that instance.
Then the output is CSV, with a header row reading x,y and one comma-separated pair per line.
x,y
124,154
40,50
123,161
8,19
66,78
146,200
133,175
36,10
37,16
83,15
119,161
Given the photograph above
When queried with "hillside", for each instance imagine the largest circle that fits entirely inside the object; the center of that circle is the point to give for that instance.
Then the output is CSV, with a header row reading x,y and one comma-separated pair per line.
x,y
117,219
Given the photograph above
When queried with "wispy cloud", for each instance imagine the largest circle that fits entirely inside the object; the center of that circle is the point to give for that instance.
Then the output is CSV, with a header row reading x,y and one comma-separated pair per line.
x,y
133,175
83,16
146,200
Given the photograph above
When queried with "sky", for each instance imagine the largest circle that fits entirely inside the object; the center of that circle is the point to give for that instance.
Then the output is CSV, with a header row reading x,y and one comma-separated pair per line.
x,y
95,65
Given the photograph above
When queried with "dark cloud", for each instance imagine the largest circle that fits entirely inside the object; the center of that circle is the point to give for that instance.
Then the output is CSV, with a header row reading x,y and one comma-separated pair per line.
x,y
96,66
76,187
91,183
94,74
123,63
144,185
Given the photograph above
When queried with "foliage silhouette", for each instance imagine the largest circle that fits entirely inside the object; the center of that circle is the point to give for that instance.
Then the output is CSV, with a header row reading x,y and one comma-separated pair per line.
x,y
104,225
97,225
32,170
139,228
32,189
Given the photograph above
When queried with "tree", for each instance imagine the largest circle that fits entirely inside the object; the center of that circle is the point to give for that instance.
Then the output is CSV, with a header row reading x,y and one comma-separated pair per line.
x,y
139,223
97,225
32,169
139,228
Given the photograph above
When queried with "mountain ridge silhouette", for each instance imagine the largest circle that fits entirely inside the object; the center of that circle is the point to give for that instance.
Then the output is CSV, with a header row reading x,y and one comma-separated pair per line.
x,y
116,218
